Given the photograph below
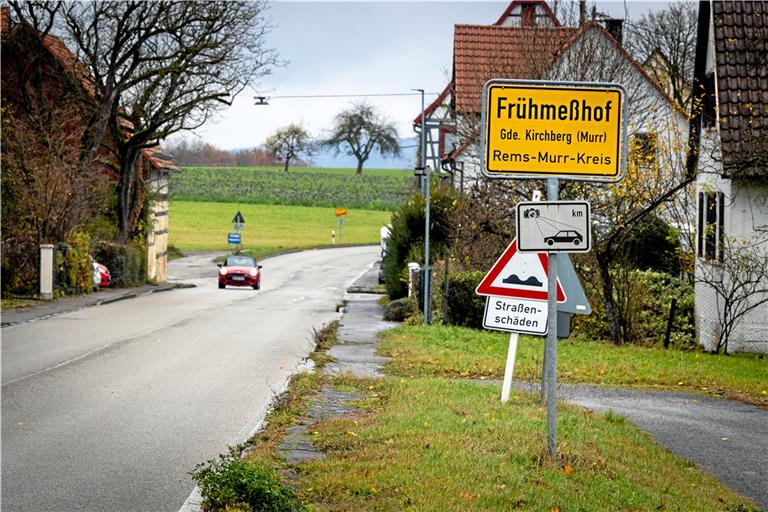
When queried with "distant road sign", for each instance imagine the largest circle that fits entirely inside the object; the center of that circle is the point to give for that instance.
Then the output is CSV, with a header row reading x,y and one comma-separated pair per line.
x,y
233,238
341,212
555,129
554,226
239,219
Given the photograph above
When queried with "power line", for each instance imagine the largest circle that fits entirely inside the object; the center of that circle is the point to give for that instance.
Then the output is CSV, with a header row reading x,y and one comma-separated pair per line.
x,y
298,96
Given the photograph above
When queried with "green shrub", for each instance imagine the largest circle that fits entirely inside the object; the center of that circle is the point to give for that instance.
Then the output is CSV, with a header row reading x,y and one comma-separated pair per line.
x,y
464,307
645,297
20,267
652,245
74,273
126,263
229,483
406,238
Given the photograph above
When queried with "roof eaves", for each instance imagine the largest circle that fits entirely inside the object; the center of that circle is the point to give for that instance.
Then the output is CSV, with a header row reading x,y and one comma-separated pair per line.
x,y
433,106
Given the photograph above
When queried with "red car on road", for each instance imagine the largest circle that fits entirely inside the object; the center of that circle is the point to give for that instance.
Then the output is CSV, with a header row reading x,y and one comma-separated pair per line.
x,y
240,271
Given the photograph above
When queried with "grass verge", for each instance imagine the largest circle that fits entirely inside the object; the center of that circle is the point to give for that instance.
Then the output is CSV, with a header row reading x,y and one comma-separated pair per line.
x,y
12,303
437,444
425,440
443,351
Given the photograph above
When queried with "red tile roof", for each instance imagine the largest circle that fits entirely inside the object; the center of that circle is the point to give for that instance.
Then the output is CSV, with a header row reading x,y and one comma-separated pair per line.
x,y
67,59
483,52
5,17
741,47
159,160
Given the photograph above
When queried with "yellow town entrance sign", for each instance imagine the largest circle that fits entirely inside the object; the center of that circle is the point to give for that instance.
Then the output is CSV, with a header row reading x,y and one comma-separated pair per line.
x,y
553,129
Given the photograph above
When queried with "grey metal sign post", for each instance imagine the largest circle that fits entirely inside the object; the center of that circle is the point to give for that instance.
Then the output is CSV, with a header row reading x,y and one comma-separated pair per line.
x,y
549,372
558,130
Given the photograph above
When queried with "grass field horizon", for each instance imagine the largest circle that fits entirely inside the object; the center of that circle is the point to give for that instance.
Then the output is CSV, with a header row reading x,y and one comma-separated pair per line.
x,y
378,189
203,226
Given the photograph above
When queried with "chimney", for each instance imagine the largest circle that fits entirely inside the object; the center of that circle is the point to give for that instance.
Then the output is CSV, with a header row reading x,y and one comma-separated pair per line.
x,y
582,12
528,15
615,27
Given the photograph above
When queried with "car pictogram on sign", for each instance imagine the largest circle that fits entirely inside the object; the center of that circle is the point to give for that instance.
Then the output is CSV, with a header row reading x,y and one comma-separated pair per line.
x,y
565,236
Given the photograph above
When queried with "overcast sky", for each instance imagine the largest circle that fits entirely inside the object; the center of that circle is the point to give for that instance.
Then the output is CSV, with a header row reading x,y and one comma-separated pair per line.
x,y
352,48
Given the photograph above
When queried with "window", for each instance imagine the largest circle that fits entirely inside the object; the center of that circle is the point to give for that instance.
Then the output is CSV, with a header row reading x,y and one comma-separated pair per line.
x,y
644,149
447,141
710,233
709,106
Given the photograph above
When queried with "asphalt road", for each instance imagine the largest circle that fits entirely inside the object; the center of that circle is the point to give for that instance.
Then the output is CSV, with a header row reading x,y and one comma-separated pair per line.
x,y
108,408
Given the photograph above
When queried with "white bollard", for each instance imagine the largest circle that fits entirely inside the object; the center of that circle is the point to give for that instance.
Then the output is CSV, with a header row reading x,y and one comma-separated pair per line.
x,y
413,270
46,272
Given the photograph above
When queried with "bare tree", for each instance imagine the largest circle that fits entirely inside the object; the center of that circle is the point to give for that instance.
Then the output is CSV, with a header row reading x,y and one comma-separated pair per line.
x,y
156,68
739,282
361,129
289,142
656,172
666,40
44,190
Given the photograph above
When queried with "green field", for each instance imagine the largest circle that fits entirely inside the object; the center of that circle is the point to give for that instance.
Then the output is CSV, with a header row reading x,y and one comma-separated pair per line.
x,y
203,226
373,190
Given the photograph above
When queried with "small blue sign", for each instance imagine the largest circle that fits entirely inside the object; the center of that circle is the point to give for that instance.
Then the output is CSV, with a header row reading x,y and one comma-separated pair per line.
x,y
234,238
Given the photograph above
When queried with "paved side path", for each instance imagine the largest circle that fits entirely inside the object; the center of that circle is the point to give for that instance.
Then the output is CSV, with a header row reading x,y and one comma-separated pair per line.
x,y
728,439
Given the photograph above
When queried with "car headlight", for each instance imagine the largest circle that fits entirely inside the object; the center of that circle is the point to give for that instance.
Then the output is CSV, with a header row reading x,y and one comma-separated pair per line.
x,y
223,271
254,272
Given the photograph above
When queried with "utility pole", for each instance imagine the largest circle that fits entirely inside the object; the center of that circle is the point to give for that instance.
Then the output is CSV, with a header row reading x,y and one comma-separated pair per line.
x,y
427,275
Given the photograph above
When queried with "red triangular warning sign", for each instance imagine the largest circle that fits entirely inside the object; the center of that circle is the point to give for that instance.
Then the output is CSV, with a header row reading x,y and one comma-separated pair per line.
x,y
522,275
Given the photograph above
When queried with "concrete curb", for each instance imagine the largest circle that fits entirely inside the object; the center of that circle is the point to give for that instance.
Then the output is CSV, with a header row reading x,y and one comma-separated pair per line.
x,y
71,304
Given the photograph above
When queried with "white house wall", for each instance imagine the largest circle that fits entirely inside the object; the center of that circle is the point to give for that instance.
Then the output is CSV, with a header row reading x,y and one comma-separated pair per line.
x,y
745,219
157,237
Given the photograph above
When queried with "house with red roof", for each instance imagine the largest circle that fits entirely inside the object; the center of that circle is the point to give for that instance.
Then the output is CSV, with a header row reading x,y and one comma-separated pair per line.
x,y
528,42
729,154
66,83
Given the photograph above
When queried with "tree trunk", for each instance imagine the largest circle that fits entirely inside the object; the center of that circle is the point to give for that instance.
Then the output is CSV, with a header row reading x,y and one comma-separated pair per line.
x,y
94,133
359,170
286,164
611,309
126,194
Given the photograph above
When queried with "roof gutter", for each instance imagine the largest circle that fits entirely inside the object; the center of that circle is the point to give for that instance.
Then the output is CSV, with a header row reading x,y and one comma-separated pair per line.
x,y
697,96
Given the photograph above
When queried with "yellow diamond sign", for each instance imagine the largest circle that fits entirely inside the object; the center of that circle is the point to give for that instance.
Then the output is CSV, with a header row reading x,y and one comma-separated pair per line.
x,y
553,129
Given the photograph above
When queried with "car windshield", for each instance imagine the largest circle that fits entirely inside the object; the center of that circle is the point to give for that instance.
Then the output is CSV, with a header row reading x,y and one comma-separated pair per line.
x,y
240,261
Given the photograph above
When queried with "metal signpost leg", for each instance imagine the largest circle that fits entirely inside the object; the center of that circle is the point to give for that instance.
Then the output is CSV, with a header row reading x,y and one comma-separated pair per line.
x,y
550,347
511,353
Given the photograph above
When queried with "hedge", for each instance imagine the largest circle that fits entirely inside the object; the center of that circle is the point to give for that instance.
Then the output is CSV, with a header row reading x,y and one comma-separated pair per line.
x,y
126,263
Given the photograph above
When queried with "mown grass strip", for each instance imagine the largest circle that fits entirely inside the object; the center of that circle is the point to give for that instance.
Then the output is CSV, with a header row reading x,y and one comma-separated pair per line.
x,y
459,352
438,444
201,226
